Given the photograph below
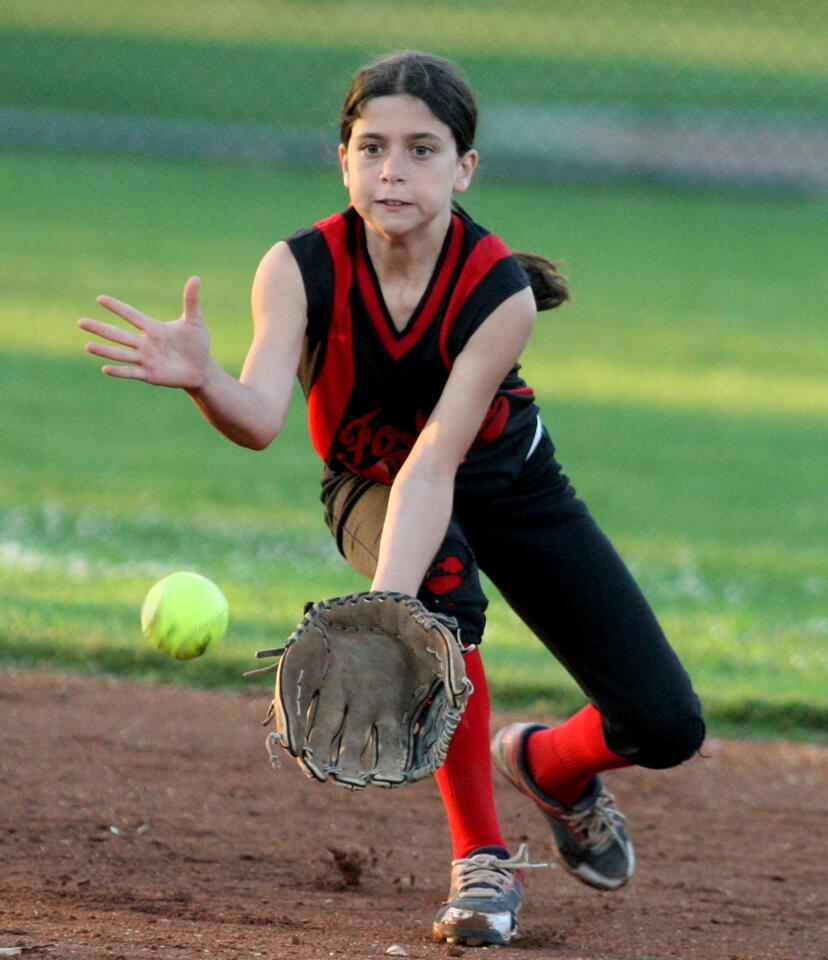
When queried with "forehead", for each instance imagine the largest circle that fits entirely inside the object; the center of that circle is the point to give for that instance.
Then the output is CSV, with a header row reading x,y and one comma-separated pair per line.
x,y
399,114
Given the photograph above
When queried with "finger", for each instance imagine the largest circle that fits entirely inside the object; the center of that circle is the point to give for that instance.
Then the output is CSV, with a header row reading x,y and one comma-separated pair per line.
x,y
356,754
324,738
109,331
125,373
391,748
130,314
112,353
192,306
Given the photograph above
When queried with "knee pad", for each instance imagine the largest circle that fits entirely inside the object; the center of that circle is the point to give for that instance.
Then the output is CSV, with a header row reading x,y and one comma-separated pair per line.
x,y
658,747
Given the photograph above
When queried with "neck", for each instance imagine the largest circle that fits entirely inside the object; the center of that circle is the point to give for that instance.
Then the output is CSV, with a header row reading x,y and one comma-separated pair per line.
x,y
408,255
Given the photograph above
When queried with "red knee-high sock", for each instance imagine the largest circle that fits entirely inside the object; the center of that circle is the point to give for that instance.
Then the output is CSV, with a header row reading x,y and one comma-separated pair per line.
x,y
465,779
564,759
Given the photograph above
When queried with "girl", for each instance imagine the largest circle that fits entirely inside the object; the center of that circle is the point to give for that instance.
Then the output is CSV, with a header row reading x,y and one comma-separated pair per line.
x,y
404,320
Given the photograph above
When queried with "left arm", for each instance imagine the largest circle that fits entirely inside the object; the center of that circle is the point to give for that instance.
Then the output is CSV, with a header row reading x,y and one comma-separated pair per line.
x,y
420,504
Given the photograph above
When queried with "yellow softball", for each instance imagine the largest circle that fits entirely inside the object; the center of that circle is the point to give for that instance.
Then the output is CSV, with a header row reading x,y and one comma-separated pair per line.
x,y
183,614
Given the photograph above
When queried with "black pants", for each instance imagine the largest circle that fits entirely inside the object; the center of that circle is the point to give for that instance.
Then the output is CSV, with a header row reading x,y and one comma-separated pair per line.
x,y
553,565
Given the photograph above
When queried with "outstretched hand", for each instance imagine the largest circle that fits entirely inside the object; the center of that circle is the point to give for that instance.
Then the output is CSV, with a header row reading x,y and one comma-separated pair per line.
x,y
175,354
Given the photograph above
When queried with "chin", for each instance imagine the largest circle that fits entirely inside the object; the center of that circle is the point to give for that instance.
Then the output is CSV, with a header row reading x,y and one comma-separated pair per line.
x,y
389,227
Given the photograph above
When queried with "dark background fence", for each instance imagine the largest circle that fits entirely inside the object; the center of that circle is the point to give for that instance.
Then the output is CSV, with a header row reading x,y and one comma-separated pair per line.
x,y
687,93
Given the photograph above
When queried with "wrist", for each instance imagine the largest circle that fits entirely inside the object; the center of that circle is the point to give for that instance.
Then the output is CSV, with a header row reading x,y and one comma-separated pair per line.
x,y
396,583
210,373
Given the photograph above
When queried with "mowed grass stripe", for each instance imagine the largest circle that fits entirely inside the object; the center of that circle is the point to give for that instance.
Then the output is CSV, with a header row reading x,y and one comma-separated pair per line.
x,y
290,63
738,33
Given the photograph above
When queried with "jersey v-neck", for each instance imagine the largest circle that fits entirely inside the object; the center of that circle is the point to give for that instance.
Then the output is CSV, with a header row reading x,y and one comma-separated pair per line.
x,y
399,341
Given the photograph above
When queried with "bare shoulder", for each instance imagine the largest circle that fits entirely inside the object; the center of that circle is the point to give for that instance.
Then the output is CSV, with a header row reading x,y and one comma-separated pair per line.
x,y
278,283
506,330
278,256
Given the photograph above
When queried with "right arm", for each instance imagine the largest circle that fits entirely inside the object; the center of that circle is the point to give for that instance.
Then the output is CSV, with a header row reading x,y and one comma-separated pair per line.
x,y
250,410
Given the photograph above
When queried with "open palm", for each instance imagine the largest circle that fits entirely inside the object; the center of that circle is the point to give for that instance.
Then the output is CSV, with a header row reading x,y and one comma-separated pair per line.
x,y
172,354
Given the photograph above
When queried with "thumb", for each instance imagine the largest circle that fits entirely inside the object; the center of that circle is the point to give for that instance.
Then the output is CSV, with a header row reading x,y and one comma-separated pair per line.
x,y
192,306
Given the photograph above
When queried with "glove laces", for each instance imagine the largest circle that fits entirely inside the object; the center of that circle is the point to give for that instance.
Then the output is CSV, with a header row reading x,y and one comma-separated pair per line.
x,y
598,825
485,875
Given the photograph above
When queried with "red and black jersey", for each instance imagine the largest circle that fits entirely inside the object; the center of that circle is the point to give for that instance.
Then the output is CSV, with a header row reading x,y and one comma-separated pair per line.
x,y
371,387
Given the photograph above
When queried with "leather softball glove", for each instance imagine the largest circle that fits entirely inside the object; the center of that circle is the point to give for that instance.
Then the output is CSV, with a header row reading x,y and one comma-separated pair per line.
x,y
370,688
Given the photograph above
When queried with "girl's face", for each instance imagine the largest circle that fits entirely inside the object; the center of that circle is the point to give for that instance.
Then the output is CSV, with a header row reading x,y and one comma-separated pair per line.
x,y
401,167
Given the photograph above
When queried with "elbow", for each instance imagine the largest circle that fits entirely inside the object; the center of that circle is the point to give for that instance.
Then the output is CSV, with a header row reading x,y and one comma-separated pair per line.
x,y
254,443
260,439
267,427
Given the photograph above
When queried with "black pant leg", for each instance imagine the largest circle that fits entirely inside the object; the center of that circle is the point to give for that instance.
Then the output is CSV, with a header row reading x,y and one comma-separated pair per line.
x,y
562,576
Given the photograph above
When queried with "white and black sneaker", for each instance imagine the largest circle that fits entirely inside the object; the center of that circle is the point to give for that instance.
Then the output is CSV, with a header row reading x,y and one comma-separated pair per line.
x,y
484,898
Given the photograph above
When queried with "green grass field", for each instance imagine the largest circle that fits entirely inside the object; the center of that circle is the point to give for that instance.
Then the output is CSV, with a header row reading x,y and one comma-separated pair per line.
x,y
290,62
685,389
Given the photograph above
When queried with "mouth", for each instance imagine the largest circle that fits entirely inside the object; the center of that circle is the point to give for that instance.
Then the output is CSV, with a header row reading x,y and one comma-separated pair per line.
x,y
393,204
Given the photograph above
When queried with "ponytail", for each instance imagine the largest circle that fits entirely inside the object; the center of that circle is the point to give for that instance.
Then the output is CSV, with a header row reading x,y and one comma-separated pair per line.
x,y
549,288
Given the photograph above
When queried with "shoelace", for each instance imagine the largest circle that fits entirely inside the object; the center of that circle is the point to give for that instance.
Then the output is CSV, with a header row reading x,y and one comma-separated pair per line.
x,y
485,875
599,825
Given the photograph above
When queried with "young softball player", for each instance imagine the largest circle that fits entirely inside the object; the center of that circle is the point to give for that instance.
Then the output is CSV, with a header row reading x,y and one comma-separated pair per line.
x,y
404,321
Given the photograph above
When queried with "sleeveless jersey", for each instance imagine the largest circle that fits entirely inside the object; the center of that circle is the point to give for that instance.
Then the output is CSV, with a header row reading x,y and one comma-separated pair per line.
x,y
370,387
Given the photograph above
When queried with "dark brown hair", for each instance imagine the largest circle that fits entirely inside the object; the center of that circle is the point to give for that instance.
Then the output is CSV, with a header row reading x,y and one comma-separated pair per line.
x,y
435,81
447,94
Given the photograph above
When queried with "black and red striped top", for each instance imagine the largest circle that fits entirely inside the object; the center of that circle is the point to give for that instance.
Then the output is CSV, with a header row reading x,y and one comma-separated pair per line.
x,y
371,387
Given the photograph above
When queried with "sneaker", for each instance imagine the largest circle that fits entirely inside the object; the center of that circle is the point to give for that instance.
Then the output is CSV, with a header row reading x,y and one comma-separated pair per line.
x,y
484,898
591,839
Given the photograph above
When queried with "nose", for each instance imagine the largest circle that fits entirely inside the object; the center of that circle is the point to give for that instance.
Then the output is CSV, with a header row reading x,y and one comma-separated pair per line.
x,y
393,170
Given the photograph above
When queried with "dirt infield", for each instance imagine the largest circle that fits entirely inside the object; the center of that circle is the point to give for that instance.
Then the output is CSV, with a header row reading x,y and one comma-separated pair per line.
x,y
144,821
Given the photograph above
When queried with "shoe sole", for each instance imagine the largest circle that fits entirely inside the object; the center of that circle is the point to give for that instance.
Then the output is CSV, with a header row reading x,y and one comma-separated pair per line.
x,y
582,872
471,930
587,875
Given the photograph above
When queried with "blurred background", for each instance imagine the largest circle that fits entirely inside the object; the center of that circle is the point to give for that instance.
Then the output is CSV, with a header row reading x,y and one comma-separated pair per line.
x,y
720,94
674,157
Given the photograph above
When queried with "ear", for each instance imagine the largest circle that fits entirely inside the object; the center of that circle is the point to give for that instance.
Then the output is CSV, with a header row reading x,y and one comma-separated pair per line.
x,y
466,165
343,162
